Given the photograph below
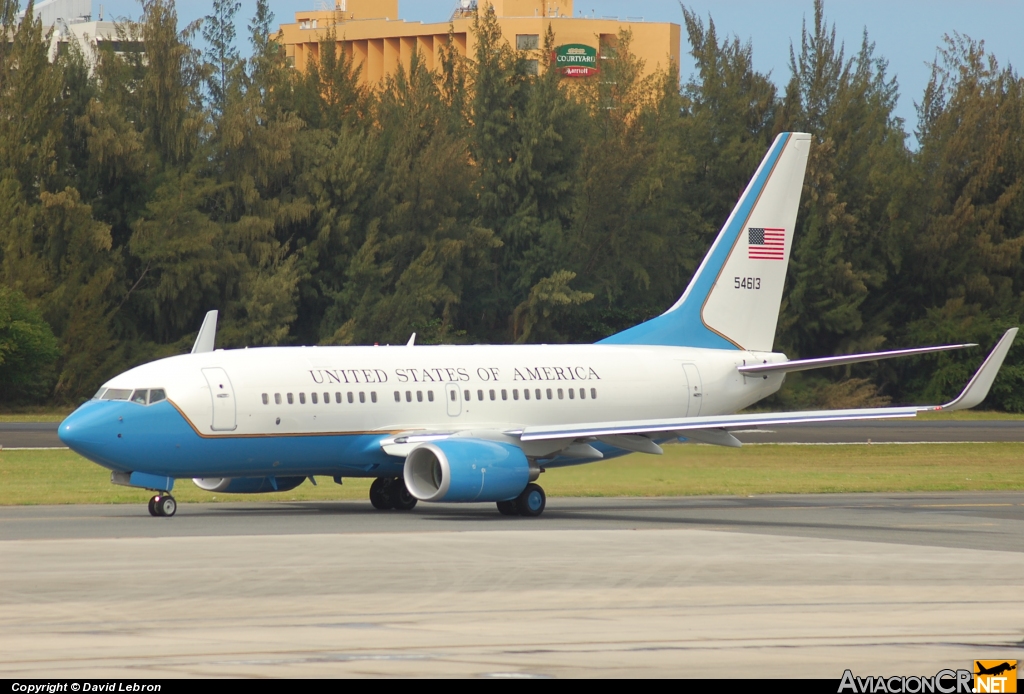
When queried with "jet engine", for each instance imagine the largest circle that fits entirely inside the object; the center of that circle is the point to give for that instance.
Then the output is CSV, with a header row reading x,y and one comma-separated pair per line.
x,y
247,485
467,470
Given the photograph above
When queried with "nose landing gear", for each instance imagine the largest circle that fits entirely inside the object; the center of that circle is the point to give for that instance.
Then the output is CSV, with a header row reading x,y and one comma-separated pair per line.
x,y
391,493
163,505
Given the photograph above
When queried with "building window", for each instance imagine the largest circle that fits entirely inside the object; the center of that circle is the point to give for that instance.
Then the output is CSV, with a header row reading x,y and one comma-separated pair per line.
x,y
532,67
527,42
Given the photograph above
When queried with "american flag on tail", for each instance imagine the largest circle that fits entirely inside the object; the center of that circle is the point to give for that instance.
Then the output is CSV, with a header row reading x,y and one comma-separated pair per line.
x,y
766,244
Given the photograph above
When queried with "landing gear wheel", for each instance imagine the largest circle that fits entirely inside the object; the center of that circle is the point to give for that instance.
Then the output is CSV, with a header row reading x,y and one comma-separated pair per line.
x,y
399,496
163,506
508,508
532,501
379,494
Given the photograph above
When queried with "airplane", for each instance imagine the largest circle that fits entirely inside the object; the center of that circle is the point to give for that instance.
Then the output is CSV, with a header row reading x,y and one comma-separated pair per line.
x,y
481,423
995,670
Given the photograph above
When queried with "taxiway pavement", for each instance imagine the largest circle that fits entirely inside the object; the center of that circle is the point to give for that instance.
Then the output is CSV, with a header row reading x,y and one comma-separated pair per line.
x,y
784,585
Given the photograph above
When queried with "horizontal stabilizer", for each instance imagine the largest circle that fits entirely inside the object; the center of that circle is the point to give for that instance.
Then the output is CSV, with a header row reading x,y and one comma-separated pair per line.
x,y
823,362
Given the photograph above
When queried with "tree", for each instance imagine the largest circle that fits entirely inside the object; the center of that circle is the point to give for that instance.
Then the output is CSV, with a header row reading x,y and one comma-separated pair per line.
x,y
28,351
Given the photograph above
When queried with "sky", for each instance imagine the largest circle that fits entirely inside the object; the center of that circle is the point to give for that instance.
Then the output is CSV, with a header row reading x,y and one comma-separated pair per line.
x,y
905,32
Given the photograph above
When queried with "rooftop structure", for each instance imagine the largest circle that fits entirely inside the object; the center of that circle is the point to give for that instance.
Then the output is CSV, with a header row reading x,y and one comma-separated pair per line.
x,y
371,34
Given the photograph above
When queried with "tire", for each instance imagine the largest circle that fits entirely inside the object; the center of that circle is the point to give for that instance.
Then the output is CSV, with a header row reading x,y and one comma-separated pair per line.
x,y
532,501
399,496
508,508
167,506
378,494
152,507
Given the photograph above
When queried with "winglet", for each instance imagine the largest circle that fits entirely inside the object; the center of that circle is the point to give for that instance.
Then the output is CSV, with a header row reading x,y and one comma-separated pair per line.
x,y
207,334
978,387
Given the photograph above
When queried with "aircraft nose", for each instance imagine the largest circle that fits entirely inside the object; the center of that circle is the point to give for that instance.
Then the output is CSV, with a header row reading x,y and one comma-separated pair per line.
x,y
84,429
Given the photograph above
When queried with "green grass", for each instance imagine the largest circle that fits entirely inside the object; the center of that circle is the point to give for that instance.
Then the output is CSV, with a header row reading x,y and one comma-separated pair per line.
x,y
62,477
40,414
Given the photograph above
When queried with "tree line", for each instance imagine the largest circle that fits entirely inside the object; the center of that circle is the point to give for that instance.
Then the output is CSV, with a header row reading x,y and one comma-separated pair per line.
x,y
479,203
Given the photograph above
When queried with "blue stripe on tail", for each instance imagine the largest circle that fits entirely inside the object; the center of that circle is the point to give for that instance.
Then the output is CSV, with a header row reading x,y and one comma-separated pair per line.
x,y
682,326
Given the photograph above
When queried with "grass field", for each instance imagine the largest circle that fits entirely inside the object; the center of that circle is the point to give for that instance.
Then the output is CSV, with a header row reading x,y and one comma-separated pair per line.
x,y
62,477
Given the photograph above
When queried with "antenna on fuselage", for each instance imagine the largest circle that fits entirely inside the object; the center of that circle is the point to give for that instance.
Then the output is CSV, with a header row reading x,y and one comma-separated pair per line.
x,y
207,334
412,341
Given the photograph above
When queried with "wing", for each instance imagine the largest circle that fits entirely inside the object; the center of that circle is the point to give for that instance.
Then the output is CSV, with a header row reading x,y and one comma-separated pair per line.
x,y
822,362
719,426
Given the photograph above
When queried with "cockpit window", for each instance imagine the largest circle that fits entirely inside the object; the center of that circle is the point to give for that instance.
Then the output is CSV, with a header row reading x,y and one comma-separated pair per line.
x,y
139,396
99,394
117,394
156,395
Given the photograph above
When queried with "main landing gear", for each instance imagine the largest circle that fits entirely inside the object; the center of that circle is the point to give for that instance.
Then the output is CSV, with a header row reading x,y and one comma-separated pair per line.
x,y
530,503
163,505
390,492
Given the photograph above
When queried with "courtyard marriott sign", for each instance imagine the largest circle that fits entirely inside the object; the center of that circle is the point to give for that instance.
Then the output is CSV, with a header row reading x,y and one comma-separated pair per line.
x,y
576,60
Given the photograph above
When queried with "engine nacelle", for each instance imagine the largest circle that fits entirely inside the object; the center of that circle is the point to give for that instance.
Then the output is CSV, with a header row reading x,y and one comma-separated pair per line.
x,y
247,485
466,470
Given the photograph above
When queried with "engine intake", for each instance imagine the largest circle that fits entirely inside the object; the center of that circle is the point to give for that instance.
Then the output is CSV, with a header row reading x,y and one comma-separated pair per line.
x,y
247,485
463,470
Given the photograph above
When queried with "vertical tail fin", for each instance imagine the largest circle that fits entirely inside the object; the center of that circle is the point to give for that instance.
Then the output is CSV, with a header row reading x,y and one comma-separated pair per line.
x,y
733,300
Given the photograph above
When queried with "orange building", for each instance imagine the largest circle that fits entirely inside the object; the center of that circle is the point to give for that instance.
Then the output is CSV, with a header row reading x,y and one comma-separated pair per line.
x,y
372,35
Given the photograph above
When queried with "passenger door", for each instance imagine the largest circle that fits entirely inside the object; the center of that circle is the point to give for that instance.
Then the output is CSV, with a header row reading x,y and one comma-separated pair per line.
x,y
223,396
694,390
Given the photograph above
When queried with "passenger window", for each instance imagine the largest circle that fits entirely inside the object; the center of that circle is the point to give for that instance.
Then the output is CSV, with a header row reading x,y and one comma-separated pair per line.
x,y
327,398
291,400
139,396
408,396
572,393
302,398
362,396
593,393
468,398
526,393
419,396
583,393
549,393
430,395
266,399
312,397
515,393
480,395
350,400
504,394
492,394
559,393
454,396
337,397
373,396
158,394
398,396
277,398
537,393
